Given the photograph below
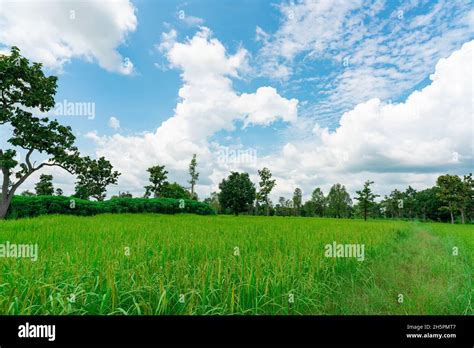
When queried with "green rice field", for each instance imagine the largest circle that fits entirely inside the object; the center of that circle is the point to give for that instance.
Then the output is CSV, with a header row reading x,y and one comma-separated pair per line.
x,y
150,264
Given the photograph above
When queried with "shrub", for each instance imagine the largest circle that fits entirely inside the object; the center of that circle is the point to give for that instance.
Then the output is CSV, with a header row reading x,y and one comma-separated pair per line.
x,y
26,206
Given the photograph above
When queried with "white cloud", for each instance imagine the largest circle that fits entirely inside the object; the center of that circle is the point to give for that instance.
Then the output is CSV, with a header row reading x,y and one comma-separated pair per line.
x,y
429,134
386,56
54,32
307,26
208,104
114,123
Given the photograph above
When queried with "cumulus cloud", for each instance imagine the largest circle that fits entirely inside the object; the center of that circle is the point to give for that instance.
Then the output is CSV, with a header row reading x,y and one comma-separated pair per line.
x,y
208,103
55,32
425,136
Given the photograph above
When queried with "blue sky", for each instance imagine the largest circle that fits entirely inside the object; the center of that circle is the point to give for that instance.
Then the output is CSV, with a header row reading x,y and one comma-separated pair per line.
x,y
315,88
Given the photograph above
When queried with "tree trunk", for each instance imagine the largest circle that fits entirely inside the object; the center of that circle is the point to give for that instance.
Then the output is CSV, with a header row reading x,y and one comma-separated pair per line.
x,y
462,216
452,217
4,205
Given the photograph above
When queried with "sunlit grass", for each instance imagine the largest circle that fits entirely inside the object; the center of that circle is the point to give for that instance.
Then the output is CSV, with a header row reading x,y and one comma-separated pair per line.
x,y
187,264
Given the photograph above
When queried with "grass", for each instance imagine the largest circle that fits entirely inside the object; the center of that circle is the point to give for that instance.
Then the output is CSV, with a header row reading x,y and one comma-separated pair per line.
x,y
208,265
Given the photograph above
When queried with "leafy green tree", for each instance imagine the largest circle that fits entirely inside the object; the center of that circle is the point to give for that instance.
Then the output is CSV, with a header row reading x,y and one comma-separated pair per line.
x,y
308,209
394,204
317,197
409,202
451,193
158,176
194,175
366,198
174,190
45,186
467,196
266,186
237,192
297,200
23,87
428,205
339,201
94,177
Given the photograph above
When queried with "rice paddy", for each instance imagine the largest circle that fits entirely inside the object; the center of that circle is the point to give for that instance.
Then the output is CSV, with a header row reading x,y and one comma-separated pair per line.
x,y
150,264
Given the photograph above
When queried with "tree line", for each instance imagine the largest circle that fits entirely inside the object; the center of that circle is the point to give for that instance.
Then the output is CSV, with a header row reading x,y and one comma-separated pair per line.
x,y
451,199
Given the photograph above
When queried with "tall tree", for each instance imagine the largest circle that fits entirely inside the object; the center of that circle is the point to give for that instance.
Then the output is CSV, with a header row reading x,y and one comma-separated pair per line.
x,y
466,201
297,200
266,186
24,87
339,201
451,193
158,176
237,192
409,201
394,203
317,197
366,198
94,178
45,186
194,175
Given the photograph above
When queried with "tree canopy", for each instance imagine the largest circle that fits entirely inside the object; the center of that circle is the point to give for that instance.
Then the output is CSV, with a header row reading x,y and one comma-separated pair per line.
x,y
237,192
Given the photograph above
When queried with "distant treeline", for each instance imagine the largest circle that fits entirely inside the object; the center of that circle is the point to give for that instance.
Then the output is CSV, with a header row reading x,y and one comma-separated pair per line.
x,y
450,200
31,206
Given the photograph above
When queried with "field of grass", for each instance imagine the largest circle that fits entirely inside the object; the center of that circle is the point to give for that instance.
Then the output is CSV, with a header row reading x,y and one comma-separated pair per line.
x,y
153,264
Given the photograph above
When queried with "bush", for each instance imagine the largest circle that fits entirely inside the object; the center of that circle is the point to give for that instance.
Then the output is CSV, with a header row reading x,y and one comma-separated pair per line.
x,y
25,206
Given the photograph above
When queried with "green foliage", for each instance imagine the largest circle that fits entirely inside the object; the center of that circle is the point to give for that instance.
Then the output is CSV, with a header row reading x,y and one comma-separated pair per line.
x,y
23,87
158,176
175,190
339,202
94,177
266,186
45,186
194,176
317,197
366,198
297,199
237,193
25,206
308,209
